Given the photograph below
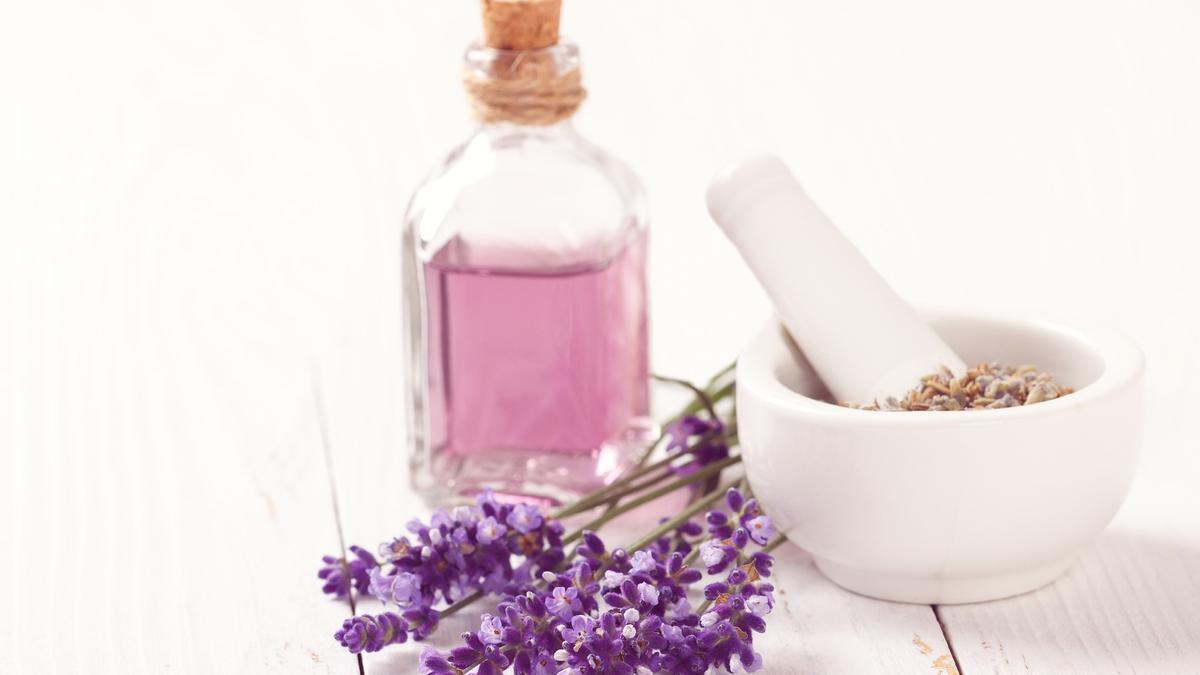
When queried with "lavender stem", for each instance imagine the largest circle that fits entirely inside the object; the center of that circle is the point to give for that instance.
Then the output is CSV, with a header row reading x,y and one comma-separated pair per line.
x,y
613,513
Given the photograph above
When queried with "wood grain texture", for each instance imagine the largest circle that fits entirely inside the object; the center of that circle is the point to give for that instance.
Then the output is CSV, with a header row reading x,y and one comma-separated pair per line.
x,y
166,497
1130,605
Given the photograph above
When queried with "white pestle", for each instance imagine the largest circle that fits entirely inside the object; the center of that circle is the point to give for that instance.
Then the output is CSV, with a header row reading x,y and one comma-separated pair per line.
x,y
864,341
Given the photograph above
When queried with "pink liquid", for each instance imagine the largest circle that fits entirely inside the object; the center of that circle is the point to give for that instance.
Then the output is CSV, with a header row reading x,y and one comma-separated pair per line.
x,y
536,362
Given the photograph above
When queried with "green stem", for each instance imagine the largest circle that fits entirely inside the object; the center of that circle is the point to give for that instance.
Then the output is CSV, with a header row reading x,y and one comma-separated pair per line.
x,y
462,602
684,516
721,373
623,487
613,513
716,397
700,394
711,394
706,399
605,493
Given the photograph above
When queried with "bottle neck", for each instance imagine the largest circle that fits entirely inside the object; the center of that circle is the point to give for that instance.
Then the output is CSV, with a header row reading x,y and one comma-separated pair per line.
x,y
561,131
532,88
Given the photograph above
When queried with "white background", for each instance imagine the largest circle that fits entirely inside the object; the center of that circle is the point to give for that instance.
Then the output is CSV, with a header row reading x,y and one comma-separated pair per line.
x,y
200,201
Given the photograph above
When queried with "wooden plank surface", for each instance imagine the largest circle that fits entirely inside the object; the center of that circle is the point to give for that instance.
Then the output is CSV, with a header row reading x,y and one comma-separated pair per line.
x,y
1130,605
166,497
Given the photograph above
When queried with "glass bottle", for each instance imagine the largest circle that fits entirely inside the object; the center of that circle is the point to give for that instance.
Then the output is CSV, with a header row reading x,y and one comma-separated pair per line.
x,y
525,300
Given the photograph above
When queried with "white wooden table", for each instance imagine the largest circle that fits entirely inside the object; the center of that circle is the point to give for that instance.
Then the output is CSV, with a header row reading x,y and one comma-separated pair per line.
x,y
199,207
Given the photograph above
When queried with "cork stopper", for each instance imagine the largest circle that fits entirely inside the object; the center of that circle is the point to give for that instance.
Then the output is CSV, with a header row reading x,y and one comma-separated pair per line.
x,y
520,24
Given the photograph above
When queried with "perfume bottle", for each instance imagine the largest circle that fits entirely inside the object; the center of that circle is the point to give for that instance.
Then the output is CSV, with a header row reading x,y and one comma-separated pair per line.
x,y
525,285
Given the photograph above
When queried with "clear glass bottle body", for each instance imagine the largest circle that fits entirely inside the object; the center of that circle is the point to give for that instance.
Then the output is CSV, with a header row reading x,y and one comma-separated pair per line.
x,y
525,302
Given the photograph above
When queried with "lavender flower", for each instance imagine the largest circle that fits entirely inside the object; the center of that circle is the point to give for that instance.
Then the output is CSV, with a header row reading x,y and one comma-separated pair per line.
x,y
760,604
490,547
597,610
525,518
489,530
433,663
761,529
390,551
648,594
563,602
708,447
491,630
642,561
680,431
639,619
371,633
340,575
402,589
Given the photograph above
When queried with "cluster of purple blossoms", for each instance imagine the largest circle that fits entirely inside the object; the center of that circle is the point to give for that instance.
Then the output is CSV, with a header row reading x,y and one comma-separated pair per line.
x,y
340,574
367,633
707,441
730,535
372,633
620,613
489,547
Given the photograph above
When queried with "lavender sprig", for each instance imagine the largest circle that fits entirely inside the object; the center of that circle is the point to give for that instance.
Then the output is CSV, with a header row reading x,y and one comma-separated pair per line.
x,y
595,610
486,548
340,574
636,616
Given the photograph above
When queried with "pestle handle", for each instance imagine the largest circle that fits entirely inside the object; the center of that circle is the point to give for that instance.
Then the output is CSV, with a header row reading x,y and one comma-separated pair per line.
x,y
864,341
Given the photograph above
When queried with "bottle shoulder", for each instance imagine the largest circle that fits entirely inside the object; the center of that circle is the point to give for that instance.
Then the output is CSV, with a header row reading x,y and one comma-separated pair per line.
x,y
540,197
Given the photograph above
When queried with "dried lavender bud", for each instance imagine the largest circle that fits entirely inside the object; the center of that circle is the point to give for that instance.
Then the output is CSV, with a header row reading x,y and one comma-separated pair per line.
x,y
987,385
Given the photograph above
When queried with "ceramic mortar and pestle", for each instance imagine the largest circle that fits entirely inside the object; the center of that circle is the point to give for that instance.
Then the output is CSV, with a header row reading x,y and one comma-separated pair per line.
x,y
930,507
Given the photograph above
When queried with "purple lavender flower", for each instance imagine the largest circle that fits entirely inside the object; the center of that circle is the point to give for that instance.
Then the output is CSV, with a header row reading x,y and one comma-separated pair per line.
x,y
644,624
475,652
761,529
563,602
593,545
340,576
714,553
390,551
679,611
679,431
752,666
643,561
367,633
491,630
612,579
760,604
648,594
525,518
580,628
422,621
761,562
403,588
708,449
489,530
558,617
433,663
493,547
735,499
